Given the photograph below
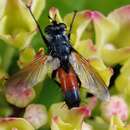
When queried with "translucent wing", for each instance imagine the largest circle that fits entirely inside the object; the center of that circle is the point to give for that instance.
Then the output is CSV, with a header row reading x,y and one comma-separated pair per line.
x,y
34,72
89,77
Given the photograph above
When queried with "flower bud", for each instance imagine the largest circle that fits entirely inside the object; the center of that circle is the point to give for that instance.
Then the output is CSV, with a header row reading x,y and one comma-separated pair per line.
x,y
86,126
116,106
20,96
37,115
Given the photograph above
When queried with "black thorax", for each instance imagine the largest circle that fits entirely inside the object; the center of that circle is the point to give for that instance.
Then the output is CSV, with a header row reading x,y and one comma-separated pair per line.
x,y
59,47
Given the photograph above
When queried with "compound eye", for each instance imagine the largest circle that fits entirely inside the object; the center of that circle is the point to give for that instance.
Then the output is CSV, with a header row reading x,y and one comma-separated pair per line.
x,y
48,28
62,25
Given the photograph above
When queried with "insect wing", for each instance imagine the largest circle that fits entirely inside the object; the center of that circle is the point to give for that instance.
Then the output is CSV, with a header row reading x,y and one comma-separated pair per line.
x,y
32,73
89,77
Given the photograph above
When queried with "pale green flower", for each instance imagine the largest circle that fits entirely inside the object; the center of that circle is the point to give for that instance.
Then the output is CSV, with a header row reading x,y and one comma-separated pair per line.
x,y
117,48
117,124
107,36
116,106
20,96
14,124
62,118
17,26
26,56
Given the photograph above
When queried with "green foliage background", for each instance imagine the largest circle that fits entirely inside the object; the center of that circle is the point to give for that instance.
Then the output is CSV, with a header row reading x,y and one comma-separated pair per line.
x,y
51,92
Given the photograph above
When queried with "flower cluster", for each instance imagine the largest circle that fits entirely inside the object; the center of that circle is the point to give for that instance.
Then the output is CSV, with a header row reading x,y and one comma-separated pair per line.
x,y
103,40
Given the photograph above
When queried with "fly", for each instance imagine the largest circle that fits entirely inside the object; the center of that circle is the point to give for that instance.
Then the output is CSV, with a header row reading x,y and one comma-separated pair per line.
x,y
66,63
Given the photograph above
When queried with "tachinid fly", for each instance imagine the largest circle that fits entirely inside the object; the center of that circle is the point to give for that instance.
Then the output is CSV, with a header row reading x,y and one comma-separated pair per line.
x,y
66,63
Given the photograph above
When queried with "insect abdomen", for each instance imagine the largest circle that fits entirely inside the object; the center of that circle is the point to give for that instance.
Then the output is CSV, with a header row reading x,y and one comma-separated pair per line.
x,y
69,84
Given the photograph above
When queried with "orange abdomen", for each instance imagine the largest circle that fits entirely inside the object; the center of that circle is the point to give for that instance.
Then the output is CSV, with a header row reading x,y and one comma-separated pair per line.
x,y
69,84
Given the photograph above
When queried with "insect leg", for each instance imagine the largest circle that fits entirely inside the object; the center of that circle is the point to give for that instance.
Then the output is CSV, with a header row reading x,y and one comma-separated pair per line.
x,y
71,25
54,74
79,82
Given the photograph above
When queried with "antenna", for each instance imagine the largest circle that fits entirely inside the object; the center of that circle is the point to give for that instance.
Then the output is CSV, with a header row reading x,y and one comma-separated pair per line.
x,y
53,20
38,26
71,25
50,18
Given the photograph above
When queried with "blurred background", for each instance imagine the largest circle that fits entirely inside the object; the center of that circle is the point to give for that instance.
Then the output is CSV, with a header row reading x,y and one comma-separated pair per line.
x,y
51,89
67,6
51,92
